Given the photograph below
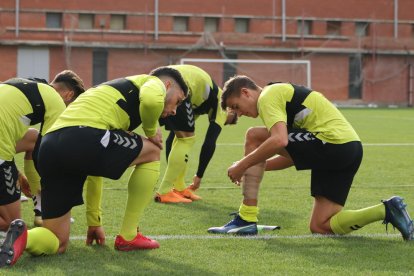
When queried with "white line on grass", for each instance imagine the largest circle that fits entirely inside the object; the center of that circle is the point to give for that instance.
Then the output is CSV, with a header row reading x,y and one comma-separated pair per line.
x,y
364,144
234,187
259,237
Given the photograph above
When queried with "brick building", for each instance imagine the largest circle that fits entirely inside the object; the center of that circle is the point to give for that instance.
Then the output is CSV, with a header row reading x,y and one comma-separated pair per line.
x,y
359,51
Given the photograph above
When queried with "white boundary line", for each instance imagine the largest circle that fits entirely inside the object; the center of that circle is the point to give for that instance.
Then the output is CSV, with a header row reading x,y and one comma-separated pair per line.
x,y
365,144
259,237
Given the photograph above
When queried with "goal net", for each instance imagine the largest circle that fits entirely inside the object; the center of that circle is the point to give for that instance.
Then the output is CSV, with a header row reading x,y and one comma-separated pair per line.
x,y
261,71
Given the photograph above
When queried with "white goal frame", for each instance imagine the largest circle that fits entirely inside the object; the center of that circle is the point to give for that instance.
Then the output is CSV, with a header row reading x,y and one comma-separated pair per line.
x,y
307,63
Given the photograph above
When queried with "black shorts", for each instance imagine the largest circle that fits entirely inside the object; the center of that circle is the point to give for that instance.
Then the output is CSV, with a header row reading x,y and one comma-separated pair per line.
x,y
183,120
333,165
67,156
9,190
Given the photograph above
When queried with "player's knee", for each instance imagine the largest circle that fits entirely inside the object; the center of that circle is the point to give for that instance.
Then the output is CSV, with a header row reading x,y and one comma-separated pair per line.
x,y
153,153
251,137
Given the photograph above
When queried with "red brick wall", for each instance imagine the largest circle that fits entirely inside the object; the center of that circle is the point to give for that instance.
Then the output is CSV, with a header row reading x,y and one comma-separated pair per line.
x,y
135,50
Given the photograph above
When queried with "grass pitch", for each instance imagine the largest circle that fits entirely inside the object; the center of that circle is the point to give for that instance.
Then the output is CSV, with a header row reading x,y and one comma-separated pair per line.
x,y
187,248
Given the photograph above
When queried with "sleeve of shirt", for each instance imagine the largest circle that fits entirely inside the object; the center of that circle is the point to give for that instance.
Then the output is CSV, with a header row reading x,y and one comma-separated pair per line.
x,y
94,186
54,106
272,106
208,148
151,96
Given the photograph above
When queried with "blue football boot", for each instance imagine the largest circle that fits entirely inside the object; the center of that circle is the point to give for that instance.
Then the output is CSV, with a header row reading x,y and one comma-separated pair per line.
x,y
397,215
237,226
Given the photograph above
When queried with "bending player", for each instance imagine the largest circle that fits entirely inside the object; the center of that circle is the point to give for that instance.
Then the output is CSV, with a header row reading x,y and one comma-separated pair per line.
x,y
93,137
24,103
204,98
307,131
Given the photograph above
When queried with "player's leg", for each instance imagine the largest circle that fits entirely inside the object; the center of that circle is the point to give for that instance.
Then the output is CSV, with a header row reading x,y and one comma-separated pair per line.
x,y
330,188
140,191
9,194
245,222
323,210
183,126
179,162
52,238
391,211
8,213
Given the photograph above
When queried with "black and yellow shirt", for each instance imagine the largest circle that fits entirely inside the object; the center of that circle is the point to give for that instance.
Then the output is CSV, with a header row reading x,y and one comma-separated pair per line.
x,y
200,86
319,115
14,106
98,108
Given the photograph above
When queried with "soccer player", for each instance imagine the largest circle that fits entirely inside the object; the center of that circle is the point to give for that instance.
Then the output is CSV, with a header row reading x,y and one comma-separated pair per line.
x,y
23,103
305,130
204,98
93,137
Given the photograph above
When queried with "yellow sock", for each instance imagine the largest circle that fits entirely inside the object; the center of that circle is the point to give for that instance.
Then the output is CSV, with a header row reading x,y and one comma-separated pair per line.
x,y
179,183
41,241
94,185
249,213
32,176
140,191
177,165
350,220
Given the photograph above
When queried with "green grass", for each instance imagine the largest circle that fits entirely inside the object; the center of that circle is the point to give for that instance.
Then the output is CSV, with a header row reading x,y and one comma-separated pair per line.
x,y
187,249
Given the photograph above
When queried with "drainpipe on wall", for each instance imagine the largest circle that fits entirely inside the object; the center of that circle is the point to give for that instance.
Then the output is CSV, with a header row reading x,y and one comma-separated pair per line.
x,y
283,20
395,18
156,19
17,17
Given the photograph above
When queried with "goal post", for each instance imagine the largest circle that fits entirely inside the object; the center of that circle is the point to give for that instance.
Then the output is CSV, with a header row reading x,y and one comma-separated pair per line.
x,y
261,71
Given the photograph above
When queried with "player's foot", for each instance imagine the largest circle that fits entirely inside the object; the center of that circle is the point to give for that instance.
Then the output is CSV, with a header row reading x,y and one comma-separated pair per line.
x,y
139,242
236,226
397,215
38,221
188,193
14,244
171,197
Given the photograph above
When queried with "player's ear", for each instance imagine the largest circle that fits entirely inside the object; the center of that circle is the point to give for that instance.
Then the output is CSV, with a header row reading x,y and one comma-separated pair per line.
x,y
244,91
70,96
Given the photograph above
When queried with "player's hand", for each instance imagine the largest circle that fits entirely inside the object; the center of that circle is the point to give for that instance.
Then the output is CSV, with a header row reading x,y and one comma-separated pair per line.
x,y
97,234
235,173
196,183
24,185
157,139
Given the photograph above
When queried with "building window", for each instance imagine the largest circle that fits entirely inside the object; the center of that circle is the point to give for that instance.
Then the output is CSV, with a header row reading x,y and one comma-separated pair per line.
x,y
304,27
362,29
53,20
99,66
241,25
117,22
211,24
333,28
86,21
180,24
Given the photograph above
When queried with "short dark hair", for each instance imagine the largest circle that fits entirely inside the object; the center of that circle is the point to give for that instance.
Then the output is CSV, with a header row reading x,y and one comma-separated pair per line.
x,y
233,86
71,80
172,73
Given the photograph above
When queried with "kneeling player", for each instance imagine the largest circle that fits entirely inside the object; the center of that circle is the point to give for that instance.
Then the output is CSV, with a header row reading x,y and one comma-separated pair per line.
x,y
92,137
